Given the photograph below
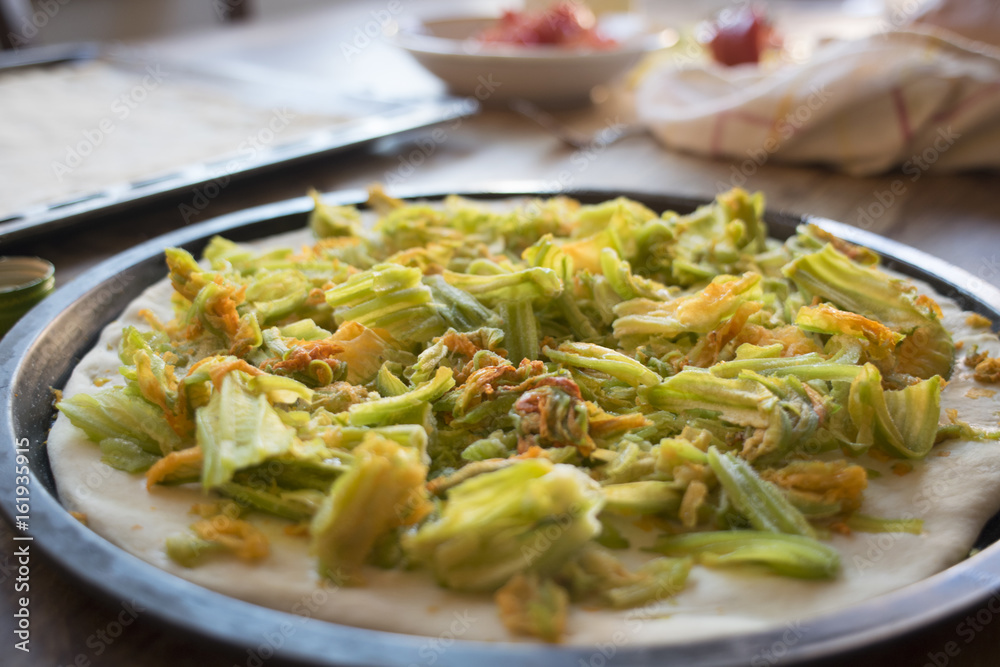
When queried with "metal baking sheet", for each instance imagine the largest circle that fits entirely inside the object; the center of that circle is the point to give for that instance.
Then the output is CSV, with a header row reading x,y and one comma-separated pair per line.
x,y
41,351
382,119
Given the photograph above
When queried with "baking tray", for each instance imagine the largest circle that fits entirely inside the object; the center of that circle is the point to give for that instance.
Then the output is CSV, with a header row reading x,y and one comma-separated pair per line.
x,y
42,349
388,118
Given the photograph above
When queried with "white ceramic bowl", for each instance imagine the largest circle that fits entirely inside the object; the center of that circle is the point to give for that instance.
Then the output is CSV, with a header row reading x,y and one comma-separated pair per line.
x,y
551,76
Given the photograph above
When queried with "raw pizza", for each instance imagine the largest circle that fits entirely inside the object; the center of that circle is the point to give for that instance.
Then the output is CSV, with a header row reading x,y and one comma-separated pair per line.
x,y
538,420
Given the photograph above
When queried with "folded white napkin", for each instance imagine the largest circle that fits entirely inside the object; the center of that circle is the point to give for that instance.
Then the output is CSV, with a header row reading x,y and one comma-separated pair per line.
x,y
920,98
977,20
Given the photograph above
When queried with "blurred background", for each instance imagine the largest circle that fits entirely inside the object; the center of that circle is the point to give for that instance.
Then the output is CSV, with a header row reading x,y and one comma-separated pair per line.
x,y
900,137
59,21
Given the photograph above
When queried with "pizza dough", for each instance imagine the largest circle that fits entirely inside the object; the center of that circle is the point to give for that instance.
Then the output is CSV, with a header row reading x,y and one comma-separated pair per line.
x,y
954,491
76,129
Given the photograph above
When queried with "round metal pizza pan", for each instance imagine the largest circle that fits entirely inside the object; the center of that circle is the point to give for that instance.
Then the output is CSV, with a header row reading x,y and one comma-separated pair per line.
x,y
40,352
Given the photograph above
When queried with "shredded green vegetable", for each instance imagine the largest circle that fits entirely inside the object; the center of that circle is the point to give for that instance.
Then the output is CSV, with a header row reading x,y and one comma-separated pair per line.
x,y
497,396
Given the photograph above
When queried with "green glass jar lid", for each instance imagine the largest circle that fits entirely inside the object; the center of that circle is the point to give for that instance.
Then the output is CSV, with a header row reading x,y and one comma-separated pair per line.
x,y
24,281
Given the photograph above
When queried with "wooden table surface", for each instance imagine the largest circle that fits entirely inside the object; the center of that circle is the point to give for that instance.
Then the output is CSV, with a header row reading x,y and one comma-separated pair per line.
x,y
956,217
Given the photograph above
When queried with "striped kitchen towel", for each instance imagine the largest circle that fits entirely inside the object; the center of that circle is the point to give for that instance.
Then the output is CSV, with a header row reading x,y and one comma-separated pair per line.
x,y
920,98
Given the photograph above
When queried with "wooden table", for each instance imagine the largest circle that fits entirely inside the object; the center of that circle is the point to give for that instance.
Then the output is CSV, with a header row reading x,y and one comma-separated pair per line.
x,y
956,217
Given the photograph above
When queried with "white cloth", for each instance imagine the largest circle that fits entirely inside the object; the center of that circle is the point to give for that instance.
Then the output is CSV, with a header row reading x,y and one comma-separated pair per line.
x,y
973,19
922,98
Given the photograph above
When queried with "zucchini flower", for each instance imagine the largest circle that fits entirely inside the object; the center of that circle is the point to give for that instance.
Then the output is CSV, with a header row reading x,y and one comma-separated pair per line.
x,y
700,312
362,349
829,320
455,350
354,353
553,415
383,411
460,310
805,367
513,292
836,485
658,579
595,357
759,501
215,308
528,517
381,202
305,329
525,225
276,295
927,349
739,400
122,413
626,213
125,455
547,254
382,491
533,606
414,225
693,248
299,505
627,285
597,573
187,277
326,220
390,297
738,206
238,429
810,238
146,370
612,224
792,422
224,254
788,555
311,362
648,497
901,423
219,533
525,285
